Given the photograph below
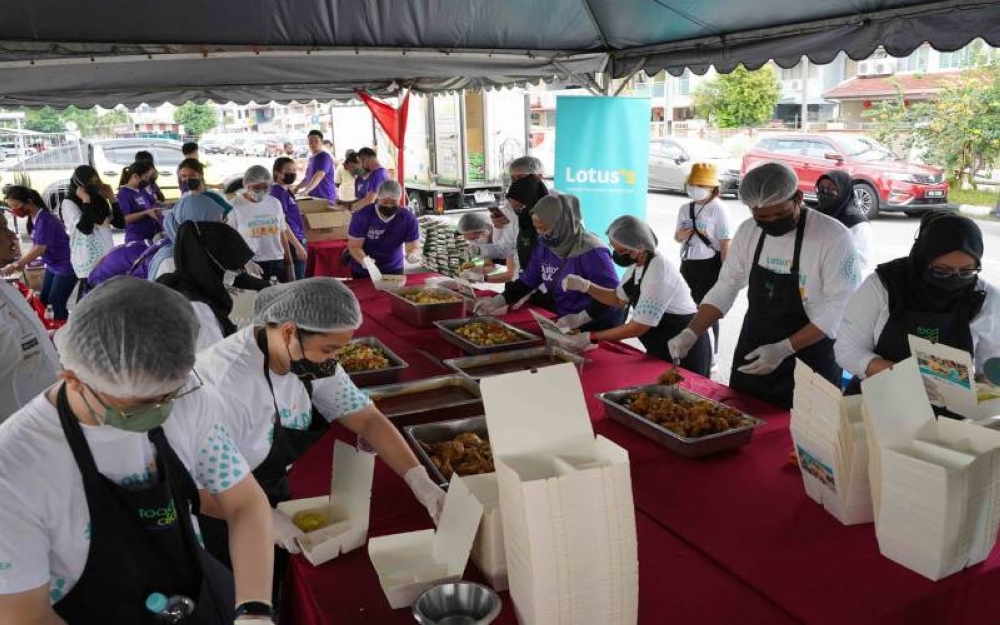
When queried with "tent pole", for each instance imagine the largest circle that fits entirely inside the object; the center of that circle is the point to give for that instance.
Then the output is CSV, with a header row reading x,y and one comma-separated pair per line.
x,y
631,75
587,81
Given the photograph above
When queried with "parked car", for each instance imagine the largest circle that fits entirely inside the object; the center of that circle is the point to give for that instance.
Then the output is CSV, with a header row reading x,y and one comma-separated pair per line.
x,y
211,145
882,182
670,163
235,146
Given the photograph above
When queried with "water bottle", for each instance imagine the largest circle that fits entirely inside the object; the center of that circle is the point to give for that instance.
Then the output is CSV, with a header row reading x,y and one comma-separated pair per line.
x,y
173,609
274,280
50,314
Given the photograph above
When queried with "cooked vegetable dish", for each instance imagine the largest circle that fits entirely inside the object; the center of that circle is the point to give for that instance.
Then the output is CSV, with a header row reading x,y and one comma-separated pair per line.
x,y
685,418
487,333
430,297
466,454
355,357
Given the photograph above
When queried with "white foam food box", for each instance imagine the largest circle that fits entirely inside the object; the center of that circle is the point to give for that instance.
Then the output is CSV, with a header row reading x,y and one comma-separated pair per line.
x,y
242,312
488,550
408,564
935,482
565,501
348,506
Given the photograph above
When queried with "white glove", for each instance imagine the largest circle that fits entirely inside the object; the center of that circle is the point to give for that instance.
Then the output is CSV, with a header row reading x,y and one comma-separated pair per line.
x,y
426,491
573,282
254,269
286,535
373,271
490,305
933,394
766,358
576,343
680,345
257,620
472,275
573,321
415,258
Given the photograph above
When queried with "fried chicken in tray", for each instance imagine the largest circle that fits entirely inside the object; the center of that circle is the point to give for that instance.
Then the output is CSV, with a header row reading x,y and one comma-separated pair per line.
x,y
690,419
466,454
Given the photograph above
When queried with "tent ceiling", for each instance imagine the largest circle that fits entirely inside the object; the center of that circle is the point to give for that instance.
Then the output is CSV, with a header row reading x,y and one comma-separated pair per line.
x,y
117,51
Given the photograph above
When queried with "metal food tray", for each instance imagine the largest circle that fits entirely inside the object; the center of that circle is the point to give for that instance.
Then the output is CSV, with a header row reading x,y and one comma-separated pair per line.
x,y
424,315
465,364
374,377
447,330
442,431
440,412
685,447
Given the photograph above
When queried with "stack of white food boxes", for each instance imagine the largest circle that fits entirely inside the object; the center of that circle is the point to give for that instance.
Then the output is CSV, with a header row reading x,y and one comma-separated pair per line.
x,y
443,246
935,482
488,549
566,502
829,435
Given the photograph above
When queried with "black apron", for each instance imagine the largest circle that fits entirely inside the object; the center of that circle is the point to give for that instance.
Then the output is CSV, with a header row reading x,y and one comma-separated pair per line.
x,y
142,542
698,359
700,275
775,313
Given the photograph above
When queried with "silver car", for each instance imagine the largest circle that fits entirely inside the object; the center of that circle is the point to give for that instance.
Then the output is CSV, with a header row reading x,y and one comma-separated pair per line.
x,y
670,163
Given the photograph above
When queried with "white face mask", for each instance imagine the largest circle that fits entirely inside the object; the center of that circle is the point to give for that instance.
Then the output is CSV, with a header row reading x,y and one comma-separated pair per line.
x,y
698,193
256,195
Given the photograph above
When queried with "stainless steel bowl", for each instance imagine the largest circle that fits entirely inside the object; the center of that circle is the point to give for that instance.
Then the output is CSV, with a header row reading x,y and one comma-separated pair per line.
x,y
457,603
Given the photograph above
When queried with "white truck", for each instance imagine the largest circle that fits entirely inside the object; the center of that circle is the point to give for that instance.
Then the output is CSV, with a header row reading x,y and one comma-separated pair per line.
x,y
458,147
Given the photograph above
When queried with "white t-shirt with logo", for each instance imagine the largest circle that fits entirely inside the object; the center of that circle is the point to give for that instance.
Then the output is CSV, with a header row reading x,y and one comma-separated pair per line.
x,y
262,225
829,268
235,366
662,289
45,521
712,220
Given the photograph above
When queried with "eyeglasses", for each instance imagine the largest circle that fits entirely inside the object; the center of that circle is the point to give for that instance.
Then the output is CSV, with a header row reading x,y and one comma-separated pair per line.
x,y
169,398
949,272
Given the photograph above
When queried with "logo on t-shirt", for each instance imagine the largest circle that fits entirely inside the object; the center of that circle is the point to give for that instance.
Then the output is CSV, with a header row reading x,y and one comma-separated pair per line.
x,y
548,271
159,518
260,227
375,233
931,334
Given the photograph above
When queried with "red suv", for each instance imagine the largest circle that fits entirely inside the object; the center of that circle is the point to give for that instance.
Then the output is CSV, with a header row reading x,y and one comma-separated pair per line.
x,y
881,181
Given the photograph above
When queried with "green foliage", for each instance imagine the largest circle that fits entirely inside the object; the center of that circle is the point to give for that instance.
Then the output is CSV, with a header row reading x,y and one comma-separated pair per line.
x,y
44,119
197,119
740,98
890,117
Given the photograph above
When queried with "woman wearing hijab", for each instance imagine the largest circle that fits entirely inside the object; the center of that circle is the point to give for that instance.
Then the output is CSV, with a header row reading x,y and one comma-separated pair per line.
x,y
565,249
835,197
191,207
661,301
209,257
934,293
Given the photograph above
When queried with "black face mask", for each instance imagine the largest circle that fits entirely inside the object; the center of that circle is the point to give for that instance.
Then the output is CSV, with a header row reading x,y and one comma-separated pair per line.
x,y
826,200
388,211
951,284
307,369
193,184
144,183
288,178
622,260
777,227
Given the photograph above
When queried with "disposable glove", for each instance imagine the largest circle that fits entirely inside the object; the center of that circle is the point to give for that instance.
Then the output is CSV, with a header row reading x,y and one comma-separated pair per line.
x,y
254,269
680,345
472,275
576,343
490,306
286,535
573,321
766,358
414,258
426,491
373,270
256,620
574,282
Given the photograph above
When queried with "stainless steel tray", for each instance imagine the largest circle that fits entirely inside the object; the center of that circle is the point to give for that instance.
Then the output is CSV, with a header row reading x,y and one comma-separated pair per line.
x,y
442,431
447,330
507,362
379,376
402,414
424,315
685,447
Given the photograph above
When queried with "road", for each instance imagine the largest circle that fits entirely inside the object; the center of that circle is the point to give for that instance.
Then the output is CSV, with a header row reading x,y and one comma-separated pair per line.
x,y
893,233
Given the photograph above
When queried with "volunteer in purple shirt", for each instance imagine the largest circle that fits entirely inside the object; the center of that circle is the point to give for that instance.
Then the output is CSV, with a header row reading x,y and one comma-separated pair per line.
x,y
566,249
51,243
379,232
142,220
153,190
284,175
318,181
374,174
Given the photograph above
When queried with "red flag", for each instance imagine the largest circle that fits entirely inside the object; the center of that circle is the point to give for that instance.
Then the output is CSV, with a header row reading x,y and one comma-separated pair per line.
x,y
392,121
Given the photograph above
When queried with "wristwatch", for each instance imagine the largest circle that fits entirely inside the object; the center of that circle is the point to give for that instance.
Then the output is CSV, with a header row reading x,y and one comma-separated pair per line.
x,y
254,608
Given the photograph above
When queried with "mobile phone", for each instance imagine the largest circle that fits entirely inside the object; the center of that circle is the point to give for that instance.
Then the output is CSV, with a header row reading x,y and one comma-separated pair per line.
x,y
496,212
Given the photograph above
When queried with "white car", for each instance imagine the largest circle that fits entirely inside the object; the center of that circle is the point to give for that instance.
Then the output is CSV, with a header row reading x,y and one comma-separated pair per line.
x,y
670,163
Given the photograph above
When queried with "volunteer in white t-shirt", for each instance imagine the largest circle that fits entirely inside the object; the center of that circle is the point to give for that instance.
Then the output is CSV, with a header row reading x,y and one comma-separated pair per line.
x,y
28,361
260,218
660,299
704,232
491,244
800,268
100,473
286,365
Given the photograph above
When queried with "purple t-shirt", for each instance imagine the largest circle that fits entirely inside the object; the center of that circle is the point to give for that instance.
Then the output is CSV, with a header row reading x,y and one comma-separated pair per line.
x,y
50,232
292,214
373,181
325,189
152,192
548,269
383,240
135,201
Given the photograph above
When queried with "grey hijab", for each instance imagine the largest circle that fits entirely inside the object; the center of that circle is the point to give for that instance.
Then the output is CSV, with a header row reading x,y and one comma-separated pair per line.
x,y
561,213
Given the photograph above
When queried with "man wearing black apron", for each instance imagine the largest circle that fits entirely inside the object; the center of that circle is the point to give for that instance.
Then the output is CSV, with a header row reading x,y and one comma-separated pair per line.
x,y
778,328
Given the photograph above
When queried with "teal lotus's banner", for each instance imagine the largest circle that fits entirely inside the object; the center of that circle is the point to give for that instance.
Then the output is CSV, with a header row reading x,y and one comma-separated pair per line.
x,y
602,156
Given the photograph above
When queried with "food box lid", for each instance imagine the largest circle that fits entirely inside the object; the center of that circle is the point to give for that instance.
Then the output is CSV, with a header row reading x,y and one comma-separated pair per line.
x,y
328,219
536,411
242,304
351,479
457,529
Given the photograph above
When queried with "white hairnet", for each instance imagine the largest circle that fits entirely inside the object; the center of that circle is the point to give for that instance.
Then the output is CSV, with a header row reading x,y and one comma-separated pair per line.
x,y
314,305
526,165
767,184
473,222
390,189
256,175
130,338
631,232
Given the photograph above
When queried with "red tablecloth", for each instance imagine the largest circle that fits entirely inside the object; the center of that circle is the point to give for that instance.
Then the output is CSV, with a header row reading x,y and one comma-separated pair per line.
x,y
324,259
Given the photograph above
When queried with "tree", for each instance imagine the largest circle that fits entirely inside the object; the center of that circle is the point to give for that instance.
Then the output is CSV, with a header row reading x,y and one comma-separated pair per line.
x,y
196,118
740,98
114,117
889,117
85,119
44,119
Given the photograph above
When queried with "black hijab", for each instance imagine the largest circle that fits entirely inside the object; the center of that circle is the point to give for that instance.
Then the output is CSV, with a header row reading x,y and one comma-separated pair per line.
x,y
203,252
528,191
846,211
905,279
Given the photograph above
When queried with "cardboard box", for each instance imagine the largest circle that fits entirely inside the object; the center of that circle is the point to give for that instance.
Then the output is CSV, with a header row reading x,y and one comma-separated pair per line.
x,y
347,507
309,205
327,225
410,563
